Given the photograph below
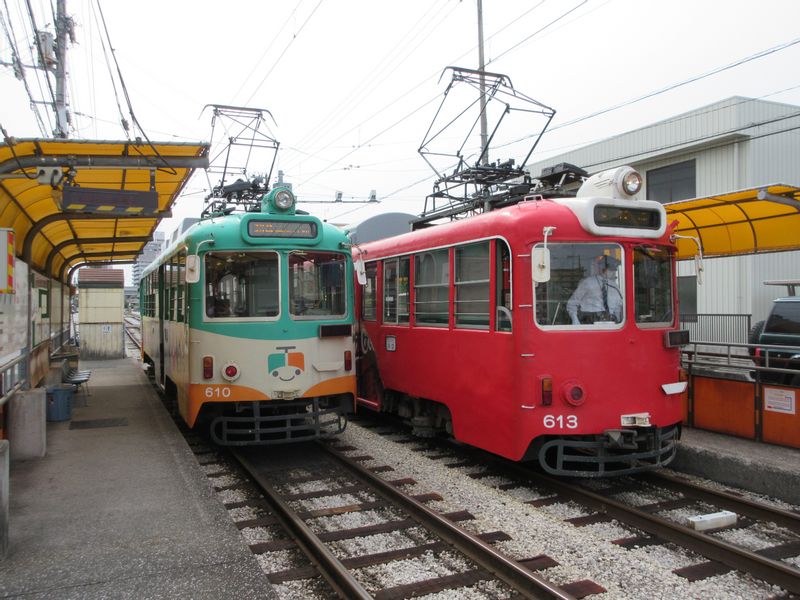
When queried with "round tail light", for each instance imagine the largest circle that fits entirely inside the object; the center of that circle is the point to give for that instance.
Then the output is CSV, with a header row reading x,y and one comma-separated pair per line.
x,y
573,393
230,372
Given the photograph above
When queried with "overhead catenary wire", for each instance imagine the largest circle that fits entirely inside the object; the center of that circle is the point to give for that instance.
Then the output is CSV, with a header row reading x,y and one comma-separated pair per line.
x,y
272,42
795,115
397,123
123,121
436,73
676,119
8,28
286,49
413,88
41,52
669,88
167,167
425,25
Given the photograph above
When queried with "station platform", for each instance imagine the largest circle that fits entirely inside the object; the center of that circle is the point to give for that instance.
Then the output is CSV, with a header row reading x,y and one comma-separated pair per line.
x,y
755,466
120,508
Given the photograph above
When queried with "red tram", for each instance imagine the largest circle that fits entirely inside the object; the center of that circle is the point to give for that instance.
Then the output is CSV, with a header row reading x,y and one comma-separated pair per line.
x,y
477,327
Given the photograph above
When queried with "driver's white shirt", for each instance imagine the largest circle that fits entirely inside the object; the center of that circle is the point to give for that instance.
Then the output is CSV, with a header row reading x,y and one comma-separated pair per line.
x,y
588,297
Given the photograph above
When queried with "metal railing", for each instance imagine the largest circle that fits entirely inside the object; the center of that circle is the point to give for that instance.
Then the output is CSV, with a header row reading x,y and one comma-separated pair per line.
x,y
13,377
734,359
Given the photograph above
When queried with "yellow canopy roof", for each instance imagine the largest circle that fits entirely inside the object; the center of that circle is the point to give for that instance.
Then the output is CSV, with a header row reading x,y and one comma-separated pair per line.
x,y
111,227
760,219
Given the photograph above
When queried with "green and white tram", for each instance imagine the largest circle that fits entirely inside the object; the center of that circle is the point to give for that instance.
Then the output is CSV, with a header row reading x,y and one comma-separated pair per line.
x,y
247,321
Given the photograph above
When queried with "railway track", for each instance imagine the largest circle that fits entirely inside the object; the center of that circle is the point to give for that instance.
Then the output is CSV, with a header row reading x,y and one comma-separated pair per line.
x,y
724,556
133,336
480,562
604,499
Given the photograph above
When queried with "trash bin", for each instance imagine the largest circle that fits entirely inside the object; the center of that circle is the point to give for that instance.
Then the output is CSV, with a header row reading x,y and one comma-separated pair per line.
x,y
59,402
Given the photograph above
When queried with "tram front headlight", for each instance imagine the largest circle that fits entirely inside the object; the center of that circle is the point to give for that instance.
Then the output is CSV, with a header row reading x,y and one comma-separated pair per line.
x,y
629,181
284,199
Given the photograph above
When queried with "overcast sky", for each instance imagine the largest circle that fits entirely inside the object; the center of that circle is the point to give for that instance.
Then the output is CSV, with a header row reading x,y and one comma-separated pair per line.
x,y
354,85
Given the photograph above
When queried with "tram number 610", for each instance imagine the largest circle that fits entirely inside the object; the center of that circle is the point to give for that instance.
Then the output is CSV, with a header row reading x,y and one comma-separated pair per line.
x,y
217,392
560,421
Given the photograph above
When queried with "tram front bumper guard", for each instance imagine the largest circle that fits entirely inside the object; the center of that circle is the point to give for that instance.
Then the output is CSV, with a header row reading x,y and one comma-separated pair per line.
x,y
612,453
279,422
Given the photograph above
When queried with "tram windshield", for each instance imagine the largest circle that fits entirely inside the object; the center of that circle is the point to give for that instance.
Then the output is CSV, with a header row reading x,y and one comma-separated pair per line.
x,y
241,284
586,287
316,284
652,286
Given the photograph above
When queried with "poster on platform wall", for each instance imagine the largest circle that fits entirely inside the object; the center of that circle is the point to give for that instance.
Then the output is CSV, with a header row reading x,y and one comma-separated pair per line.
x,y
14,316
780,400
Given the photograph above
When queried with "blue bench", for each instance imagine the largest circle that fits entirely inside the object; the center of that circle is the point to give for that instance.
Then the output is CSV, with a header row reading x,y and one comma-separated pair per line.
x,y
74,376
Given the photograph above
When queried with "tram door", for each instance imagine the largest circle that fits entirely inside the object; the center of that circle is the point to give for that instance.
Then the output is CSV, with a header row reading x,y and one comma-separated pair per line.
x,y
369,388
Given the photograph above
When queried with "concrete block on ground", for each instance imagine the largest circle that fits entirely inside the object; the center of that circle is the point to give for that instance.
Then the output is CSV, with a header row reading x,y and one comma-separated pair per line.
x,y
724,518
27,424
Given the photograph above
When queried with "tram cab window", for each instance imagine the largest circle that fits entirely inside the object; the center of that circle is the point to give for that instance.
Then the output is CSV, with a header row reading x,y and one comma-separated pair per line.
x,y
652,286
586,287
241,284
317,284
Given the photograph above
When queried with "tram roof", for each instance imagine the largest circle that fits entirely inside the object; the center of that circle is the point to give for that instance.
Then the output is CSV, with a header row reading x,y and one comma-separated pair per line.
x,y
119,192
750,221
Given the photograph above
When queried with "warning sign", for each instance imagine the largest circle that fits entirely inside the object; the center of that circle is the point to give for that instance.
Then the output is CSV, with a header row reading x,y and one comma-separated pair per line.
x,y
779,400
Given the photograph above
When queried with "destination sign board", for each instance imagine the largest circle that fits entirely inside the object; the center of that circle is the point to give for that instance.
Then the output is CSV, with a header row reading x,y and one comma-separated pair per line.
x,y
282,229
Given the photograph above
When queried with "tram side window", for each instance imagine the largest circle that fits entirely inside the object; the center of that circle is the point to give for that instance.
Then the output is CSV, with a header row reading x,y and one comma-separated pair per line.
x,y
169,291
472,300
317,284
369,296
150,296
652,285
503,287
432,288
585,287
241,284
180,274
158,297
395,290
173,304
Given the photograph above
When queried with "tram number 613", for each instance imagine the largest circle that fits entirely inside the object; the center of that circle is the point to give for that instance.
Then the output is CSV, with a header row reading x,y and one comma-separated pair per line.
x,y
560,421
217,392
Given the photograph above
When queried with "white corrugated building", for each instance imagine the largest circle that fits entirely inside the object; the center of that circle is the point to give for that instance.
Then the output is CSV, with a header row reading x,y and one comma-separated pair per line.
x,y
730,145
101,314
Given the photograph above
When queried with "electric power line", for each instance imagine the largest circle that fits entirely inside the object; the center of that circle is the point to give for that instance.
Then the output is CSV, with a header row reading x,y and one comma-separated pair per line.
x,y
278,60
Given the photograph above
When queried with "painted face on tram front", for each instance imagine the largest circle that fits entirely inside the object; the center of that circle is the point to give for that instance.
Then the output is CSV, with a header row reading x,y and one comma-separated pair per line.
x,y
286,366
287,373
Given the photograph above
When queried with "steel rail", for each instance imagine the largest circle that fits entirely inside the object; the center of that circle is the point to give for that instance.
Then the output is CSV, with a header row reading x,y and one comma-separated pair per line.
x,y
524,582
771,571
742,506
334,572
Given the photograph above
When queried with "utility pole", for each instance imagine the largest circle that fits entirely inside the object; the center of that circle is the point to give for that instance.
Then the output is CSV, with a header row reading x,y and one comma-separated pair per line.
x,y
481,67
62,27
